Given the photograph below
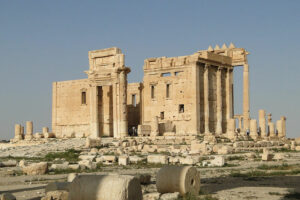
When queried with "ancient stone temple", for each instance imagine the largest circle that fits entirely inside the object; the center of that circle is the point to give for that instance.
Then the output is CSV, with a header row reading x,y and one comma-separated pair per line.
x,y
186,95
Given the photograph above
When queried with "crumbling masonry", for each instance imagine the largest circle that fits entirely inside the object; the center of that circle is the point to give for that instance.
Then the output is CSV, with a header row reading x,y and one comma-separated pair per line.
x,y
186,95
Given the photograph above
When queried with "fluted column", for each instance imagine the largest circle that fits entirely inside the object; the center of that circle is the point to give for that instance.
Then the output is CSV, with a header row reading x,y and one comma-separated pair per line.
x,y
206,99
219,102
246,103
123,105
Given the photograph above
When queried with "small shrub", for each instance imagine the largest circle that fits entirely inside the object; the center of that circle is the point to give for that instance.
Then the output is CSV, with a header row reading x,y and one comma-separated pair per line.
x,y
70,155
235,158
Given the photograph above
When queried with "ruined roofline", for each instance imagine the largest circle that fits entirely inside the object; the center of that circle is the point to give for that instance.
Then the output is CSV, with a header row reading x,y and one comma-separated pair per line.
x,y
225,56
104,52
72,81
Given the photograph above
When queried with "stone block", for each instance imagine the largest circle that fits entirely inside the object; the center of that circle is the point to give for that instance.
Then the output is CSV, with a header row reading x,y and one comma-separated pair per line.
x,y
189,160
56,195
36,168
87,157
74,166
144,130
123,160
174,160
87,164
219,161
225,150
170,196
278,156
109,159
62,166
8,163
151,196
267,156
157,159
7,196
92,142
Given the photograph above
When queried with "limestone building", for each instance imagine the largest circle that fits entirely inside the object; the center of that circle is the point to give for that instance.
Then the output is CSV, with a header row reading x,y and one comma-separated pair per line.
x,y
183,95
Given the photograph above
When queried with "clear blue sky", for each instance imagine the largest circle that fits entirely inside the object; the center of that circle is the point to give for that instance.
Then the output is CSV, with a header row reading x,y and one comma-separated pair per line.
x,y
46,41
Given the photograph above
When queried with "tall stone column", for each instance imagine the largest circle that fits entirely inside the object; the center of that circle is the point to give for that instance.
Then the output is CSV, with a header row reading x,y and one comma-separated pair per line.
x,y
115,110
279,128
229,109
240,123
231,129
246,97
283,124
18,132
123,105
29,130
253,129
94,123
206,99
271,126
219,102
262,123
154,127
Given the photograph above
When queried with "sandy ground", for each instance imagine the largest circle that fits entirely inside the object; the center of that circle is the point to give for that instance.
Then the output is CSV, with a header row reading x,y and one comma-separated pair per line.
x,y
214,180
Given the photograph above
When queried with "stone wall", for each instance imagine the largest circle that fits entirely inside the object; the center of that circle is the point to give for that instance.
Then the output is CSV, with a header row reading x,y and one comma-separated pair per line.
x,y
69,114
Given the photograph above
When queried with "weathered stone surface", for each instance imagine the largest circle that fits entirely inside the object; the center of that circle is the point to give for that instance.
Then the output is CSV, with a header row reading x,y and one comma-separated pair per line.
x,y
57,186
278,156
56,195
71,177
151,196
123,104
225,150
267,156
36,168
218,161
8,163
123,160
180,179
170,196
145,179
105,187
93,142
62,166
157,159
7,196
87,164
87,157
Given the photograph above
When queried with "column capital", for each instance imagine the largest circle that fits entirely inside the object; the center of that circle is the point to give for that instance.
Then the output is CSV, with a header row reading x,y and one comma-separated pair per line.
x,y
229,69
219,68
206,66
123,69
